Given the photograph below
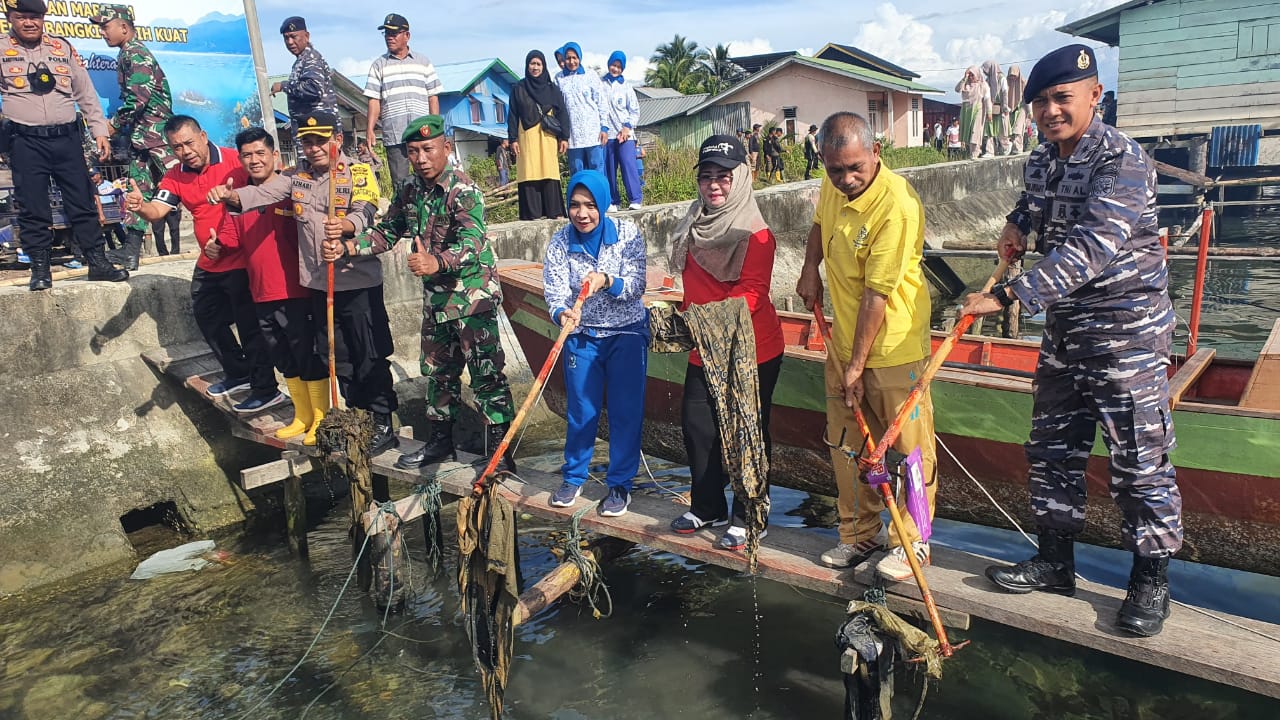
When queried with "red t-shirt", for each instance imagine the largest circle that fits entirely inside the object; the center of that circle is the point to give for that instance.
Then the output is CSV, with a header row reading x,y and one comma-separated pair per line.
x,y
753,285
190,189
267,238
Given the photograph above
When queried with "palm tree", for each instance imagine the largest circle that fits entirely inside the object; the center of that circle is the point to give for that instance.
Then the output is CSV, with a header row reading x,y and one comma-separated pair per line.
x,y
719,71
677,65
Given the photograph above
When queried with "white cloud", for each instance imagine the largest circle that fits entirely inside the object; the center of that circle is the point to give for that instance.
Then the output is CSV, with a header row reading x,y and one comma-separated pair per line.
x,y
900,39
354,67
599,64
754,46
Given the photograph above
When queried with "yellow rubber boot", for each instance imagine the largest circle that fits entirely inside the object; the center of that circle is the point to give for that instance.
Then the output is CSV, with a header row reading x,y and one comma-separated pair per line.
x,y
301,409
318,390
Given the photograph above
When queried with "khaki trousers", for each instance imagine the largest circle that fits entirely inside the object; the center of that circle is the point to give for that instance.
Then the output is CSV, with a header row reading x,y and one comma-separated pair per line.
x,y
885,389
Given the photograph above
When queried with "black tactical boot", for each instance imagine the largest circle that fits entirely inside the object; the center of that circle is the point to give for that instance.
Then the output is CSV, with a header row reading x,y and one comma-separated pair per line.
x,y
129,252
41,278
1147,604
438,447
100,268
1052,569
493,435
383,435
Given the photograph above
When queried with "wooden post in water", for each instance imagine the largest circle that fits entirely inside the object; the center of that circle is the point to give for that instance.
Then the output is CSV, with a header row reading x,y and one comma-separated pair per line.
x,y
295,507
1010,317
564,578
361,495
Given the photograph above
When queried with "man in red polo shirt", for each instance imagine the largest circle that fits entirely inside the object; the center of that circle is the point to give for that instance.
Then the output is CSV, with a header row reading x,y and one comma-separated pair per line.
x,y
219,288
267,237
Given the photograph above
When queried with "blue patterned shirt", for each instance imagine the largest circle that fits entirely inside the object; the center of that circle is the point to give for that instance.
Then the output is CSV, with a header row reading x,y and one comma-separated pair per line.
x,y
588,111
615,309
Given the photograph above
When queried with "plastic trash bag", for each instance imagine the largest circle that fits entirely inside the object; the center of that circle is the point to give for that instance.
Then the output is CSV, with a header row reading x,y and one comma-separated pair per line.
x,y
178,559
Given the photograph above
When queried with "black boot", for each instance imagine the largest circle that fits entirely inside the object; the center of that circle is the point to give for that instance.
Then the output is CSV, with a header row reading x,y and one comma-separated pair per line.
x,y
129,253
1052,569
1147,604
100,268
383,435
438,447
41,278
493,435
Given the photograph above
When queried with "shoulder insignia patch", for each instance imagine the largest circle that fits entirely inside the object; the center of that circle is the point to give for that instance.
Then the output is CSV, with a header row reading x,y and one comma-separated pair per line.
x,y
1103,186
297,209
299,195
467,201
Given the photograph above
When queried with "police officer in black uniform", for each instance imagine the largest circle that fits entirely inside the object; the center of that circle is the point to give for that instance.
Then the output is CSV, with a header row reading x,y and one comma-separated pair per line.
x,y
43,82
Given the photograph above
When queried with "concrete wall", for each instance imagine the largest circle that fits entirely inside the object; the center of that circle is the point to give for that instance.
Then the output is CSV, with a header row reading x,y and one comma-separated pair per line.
x,y
89,432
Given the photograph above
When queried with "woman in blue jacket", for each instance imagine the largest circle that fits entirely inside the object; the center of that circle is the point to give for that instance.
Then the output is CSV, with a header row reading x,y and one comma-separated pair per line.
x,y
607,352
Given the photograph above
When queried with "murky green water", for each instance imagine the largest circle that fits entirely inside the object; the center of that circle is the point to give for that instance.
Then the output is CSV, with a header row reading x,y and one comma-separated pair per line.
x,y
681,643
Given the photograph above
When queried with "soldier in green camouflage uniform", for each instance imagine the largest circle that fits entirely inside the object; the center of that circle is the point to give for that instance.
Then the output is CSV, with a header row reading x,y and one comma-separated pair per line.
x,y
442,210
146,104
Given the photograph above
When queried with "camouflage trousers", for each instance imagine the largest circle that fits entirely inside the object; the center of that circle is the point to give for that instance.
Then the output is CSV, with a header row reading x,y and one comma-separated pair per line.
x,y
1127,393
471,340
146,167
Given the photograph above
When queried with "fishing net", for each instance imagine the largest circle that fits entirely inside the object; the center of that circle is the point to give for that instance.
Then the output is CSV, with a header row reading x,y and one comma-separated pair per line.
x,y
870,641
489,583
725,339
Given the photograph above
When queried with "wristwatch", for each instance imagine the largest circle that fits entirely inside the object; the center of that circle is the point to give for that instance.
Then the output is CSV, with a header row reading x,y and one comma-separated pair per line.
x,y
1001,292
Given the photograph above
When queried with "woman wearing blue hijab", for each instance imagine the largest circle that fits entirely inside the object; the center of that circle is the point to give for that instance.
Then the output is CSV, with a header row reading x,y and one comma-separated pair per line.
x,y
607,351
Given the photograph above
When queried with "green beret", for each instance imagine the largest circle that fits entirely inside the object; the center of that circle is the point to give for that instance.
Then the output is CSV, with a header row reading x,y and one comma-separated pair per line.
x,y
107,13
424,128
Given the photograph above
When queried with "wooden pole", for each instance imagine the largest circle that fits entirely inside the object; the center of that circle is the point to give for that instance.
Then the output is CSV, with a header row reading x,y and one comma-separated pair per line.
x,y
295,507
1202,266
534,392
563,578
328,300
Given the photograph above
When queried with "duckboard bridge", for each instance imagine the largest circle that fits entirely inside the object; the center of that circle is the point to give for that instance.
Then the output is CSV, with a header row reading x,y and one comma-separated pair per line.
x,y
1232,653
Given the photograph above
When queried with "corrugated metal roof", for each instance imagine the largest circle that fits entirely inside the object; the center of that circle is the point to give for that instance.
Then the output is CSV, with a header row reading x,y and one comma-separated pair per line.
x,y
655,110
872,75
459,77
646,91
1234,146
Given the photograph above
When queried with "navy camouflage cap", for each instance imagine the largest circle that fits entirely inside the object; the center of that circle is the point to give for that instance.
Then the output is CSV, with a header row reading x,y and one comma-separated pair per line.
x,y
35,7
1064,65
292,24
107,13
318,122
424,128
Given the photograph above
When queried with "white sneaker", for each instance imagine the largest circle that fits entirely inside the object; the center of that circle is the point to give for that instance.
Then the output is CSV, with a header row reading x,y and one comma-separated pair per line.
x,y
845,555
895,567
635,206
612,208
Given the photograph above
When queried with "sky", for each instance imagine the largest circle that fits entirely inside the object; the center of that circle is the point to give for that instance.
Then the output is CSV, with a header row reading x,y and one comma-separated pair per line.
x,y
935,39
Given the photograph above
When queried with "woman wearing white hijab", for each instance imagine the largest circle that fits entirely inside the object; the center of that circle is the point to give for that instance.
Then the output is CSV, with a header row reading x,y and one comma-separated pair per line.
x,y
975,104
723,249
998,114
1017,111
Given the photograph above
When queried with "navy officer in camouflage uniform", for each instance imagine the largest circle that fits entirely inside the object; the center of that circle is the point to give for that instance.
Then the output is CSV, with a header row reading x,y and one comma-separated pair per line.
x,y
442,210
1090,197
309,86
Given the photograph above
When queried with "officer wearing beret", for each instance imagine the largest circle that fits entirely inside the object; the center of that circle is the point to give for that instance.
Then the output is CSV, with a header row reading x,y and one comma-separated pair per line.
x,y
443,211
1103,285
43,83
310,83
146,104
362,331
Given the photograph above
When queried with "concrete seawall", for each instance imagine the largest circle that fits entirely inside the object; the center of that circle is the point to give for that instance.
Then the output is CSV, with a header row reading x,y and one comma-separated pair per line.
x,y
90,432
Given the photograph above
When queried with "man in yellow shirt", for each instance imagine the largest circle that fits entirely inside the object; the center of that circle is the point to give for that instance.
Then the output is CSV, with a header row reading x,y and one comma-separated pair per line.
x,y
869,229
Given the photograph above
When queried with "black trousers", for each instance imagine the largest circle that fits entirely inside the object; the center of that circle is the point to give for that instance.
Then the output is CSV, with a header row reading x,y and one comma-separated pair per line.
x,y
702,439
540,199
362,344
220,300
289,334
171,221
34,161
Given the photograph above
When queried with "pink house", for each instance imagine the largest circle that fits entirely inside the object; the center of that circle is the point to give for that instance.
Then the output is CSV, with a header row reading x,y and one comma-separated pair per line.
x,y
796,92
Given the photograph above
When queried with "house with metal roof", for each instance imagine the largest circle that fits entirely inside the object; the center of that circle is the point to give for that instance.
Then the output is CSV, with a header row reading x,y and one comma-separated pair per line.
x,y
353,108
1188,66
796,91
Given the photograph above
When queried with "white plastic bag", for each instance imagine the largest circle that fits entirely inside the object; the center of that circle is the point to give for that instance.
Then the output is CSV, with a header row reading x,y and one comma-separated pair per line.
x,y
179,559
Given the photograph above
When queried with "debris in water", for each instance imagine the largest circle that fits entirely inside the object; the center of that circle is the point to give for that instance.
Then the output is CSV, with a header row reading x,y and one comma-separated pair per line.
x,y
178,559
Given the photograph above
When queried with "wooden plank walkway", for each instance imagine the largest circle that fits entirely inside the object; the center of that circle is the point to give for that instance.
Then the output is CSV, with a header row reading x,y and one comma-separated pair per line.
x,y
1191,643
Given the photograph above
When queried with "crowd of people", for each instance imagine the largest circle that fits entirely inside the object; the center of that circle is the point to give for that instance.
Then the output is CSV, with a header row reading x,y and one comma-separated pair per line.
x,y
270,238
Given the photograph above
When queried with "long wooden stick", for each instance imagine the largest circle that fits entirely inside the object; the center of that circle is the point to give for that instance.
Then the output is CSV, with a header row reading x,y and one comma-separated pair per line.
x,y
905,540
935,362
534,391
328,298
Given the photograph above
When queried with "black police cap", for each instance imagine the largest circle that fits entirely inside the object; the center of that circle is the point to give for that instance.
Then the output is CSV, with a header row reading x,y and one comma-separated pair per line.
x,y
36,7
1064,65
292,24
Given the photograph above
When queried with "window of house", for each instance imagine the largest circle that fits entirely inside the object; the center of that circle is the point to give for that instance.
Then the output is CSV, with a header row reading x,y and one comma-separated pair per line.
x,y
916,122
477,111
1258,38
499,112
873,116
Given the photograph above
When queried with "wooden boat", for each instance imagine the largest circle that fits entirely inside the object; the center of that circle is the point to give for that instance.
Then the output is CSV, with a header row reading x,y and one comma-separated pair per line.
x,y
1228,454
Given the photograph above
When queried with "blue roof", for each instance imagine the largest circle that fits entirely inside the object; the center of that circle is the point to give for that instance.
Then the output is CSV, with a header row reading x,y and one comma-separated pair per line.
x,y
460,77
